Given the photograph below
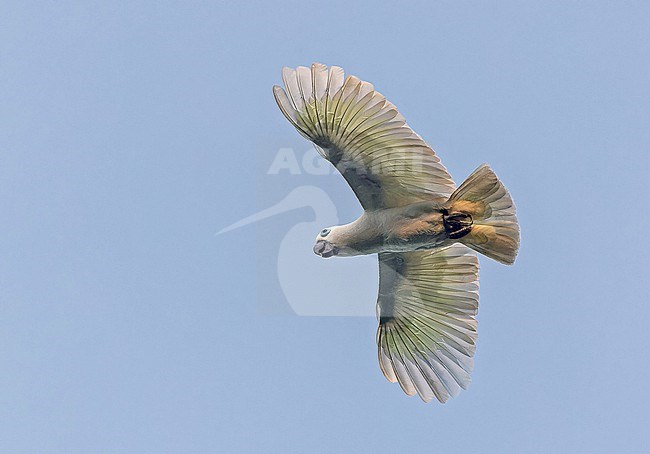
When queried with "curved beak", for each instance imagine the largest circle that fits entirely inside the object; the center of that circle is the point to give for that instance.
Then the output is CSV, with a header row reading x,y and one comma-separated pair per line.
x,y
325,249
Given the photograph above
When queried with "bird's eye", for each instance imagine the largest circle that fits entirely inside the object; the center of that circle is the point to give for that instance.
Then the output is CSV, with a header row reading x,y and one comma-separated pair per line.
x,y
324,232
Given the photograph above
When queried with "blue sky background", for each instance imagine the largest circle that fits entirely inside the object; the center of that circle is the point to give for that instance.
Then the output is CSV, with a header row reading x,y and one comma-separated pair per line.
x,y
131,132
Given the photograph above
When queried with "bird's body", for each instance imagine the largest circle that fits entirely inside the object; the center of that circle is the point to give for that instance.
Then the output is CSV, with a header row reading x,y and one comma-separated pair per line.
x,y
416,220
412,227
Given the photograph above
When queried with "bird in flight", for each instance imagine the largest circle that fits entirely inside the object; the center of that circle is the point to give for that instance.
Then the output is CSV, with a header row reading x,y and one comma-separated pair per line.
x,y
423,228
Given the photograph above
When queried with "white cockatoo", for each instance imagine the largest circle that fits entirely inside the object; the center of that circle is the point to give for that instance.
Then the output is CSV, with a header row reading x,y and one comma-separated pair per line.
x,y
422,227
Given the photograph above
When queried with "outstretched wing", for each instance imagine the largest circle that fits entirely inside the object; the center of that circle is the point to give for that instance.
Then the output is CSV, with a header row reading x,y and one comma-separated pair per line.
x,y
363,135
427,330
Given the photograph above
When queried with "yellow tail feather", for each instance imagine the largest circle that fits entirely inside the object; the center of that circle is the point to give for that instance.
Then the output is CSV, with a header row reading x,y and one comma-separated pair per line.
x,y
495,230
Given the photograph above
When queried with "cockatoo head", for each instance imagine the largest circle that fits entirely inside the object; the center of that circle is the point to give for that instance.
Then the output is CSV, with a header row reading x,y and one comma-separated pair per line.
x,y
328,243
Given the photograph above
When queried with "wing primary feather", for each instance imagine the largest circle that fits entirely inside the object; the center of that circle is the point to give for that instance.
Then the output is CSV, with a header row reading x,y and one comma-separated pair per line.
x,y
348,101
303,76
385,363
326,99
290,80
282,99
403,375
432,387
317,71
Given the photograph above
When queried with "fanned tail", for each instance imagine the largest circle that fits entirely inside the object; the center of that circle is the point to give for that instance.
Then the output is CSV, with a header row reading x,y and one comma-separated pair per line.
x,y
494,228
